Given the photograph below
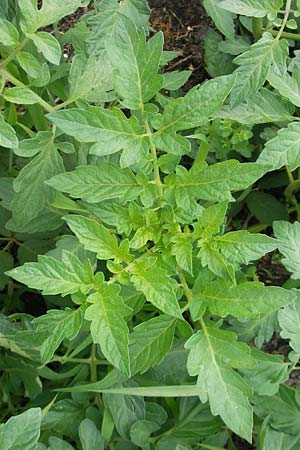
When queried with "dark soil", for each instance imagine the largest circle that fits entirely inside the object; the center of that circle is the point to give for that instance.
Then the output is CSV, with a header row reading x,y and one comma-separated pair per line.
x,y
184,24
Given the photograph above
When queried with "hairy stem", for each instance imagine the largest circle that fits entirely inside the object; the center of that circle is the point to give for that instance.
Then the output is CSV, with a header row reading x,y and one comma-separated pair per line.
x,y
155,165
285,18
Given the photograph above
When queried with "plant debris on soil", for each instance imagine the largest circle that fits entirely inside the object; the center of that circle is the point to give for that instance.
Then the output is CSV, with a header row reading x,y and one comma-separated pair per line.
x,y
184,24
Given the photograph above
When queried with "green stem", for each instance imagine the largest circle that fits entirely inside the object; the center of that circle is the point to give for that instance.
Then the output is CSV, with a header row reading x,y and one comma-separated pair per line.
x,y
8,76
289,191
64,360
284,34
14,52
257,27
285,18
94,379
187,292
155,165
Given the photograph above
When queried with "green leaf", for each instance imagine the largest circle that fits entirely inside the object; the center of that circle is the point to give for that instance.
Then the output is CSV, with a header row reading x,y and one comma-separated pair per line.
x,y
287,86
140,433
6,263
56,277
282,409
56,443
251,8
195,108
261,107
289,321
47,45
97,183
104,23
30,187
255,64
217,63
283,149
157,286
242,247
9,35
89,435
182,249
270,372
20,95
213,354
175,79
8,137
266,208
278,441
108,327
149,343
109,129
288,235
135,63
153,391
34,69
210,221
223,20
212,258
50,12
60,324
215,182
21,432
91,78
246,300
95,237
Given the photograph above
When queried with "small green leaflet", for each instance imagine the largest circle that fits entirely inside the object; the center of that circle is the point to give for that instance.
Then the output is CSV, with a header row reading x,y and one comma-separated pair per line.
x,y
103,23
182,249
91,78
254,66
289,321
242,247
21,432
135,62
288,241
89,435
20,95
210,221
214,183
37,72
30,187
108,327
52,276
223,20
47,45
9,35
213,355
157,286
51,11
150,342
261,107
97,183
287,86
283,149
251,8
108,128
60,325
95,237
246,300
8,137
279,441
150,391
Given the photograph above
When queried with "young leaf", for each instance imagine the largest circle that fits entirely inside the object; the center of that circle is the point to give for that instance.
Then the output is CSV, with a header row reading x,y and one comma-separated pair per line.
x,y
150,342
158,288
210,221
289,321
8,137
288,235
90,437
97,183
248,299
21,432
286,85
135,63
20,95
213,354
9,35
108,327
215,182
47,45
60,324
242,247
56,277
182,249
109,129
30,185
94,237
283,149
251,8
222,19
255,64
